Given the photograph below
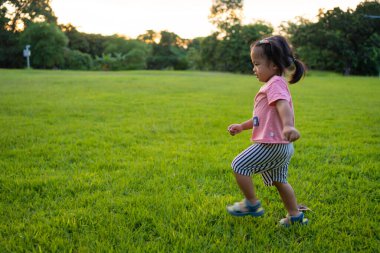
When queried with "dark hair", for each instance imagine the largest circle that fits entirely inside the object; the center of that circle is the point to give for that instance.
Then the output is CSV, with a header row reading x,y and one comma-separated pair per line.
x,y
277,50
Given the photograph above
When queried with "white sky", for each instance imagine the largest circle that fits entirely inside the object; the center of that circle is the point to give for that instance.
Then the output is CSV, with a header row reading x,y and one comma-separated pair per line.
x,y
187,18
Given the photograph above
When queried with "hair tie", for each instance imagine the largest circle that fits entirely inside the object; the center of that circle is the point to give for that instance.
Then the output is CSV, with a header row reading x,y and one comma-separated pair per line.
x,y
263,41
291,59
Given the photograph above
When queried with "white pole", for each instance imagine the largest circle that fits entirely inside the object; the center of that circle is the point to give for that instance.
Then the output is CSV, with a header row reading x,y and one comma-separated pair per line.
x,y
28,62
27,55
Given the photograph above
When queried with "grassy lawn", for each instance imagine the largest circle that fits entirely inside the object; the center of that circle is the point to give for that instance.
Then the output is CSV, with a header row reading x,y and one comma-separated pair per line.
x,y
140,162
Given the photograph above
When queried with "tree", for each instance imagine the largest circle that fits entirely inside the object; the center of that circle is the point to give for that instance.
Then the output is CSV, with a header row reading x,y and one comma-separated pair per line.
x,y
74,59
228,49
226,14
369,48
47,44
150,37
134,52
116,44
22,13
193,54
77,41
169,53
92,44
96,44
136,59
342,41
10,48
15,16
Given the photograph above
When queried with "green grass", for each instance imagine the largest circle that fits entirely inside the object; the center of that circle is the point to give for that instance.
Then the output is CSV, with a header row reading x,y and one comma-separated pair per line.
x,y
140,162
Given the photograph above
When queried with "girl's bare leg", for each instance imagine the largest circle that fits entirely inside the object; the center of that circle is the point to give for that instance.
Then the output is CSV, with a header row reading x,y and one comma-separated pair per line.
x,y
246,186
288,197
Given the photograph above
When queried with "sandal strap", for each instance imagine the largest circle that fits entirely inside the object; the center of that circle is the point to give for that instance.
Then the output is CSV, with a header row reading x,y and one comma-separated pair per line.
x,y
250,206
297,218
289,220
237,207
245,206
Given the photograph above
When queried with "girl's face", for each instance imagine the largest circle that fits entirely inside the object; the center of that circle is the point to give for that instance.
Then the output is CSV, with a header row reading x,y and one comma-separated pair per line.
x,y
262,67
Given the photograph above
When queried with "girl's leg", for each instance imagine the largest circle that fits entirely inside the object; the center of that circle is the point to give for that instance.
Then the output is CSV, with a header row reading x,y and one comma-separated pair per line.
x,y
243,167
246,186
252,161
288,197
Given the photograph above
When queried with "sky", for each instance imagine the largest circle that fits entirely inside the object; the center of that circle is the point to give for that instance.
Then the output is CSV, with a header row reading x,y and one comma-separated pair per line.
x,y
187,18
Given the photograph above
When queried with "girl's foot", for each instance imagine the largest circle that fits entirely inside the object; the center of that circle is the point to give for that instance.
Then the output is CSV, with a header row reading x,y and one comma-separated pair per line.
x,y
290,220
245,207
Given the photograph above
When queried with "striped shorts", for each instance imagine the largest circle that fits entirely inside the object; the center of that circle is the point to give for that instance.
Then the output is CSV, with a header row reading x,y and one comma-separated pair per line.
x,y
269,160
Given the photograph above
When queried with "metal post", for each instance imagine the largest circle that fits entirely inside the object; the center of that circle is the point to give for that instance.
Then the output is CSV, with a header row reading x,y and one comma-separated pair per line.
x,y
27,54
28,62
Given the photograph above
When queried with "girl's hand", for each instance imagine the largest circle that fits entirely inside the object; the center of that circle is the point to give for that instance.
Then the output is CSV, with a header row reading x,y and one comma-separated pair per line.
x,y
235,129
290,133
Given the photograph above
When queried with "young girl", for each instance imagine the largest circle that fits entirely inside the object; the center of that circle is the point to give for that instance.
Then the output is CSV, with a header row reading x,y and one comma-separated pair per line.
x,y
273,131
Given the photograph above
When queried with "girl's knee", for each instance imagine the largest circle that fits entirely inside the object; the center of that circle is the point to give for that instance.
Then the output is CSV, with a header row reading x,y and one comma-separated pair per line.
x,y
279,184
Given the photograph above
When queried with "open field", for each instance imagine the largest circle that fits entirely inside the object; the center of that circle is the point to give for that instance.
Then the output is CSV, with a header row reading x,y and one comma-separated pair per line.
x,y
140,162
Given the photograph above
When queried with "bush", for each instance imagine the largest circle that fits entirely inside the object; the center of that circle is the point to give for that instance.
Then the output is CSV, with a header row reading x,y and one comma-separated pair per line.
x,y
133,60
106,62
136,59
47,43
74,59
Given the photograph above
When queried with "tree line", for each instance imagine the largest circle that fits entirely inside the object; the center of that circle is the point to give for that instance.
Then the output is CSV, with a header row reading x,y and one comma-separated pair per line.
x,y
342,41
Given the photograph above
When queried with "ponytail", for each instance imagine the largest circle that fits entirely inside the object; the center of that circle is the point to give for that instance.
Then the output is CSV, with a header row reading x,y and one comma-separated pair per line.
x,y
299,71
278,51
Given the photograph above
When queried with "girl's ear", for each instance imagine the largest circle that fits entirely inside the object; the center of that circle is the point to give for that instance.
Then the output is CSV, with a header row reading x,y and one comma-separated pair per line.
x,y
275,68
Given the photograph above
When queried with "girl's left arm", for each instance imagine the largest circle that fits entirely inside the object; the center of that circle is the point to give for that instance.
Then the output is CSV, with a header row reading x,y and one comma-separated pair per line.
x,y
289,132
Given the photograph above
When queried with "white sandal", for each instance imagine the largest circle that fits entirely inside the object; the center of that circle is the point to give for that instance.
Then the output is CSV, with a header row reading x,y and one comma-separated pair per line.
x,y
290,220
245,208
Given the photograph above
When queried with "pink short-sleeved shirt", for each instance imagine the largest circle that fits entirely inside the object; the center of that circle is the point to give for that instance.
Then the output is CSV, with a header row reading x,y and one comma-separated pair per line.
x,y
267,125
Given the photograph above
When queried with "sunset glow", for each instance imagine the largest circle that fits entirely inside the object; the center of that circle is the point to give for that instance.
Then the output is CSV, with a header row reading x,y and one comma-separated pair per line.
x,y
188,19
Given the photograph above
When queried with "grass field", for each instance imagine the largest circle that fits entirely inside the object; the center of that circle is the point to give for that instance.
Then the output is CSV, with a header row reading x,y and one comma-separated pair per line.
x,y
140,162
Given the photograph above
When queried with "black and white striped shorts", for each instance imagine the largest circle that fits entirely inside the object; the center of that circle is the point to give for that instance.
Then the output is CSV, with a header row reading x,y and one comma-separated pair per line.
x,y
269,160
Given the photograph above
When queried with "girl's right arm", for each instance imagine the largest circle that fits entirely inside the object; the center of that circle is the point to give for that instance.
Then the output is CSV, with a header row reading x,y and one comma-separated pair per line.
x,y
237,128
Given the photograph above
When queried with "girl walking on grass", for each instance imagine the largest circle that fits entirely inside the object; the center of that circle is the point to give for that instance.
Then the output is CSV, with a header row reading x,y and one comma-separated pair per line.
x,y
273,131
